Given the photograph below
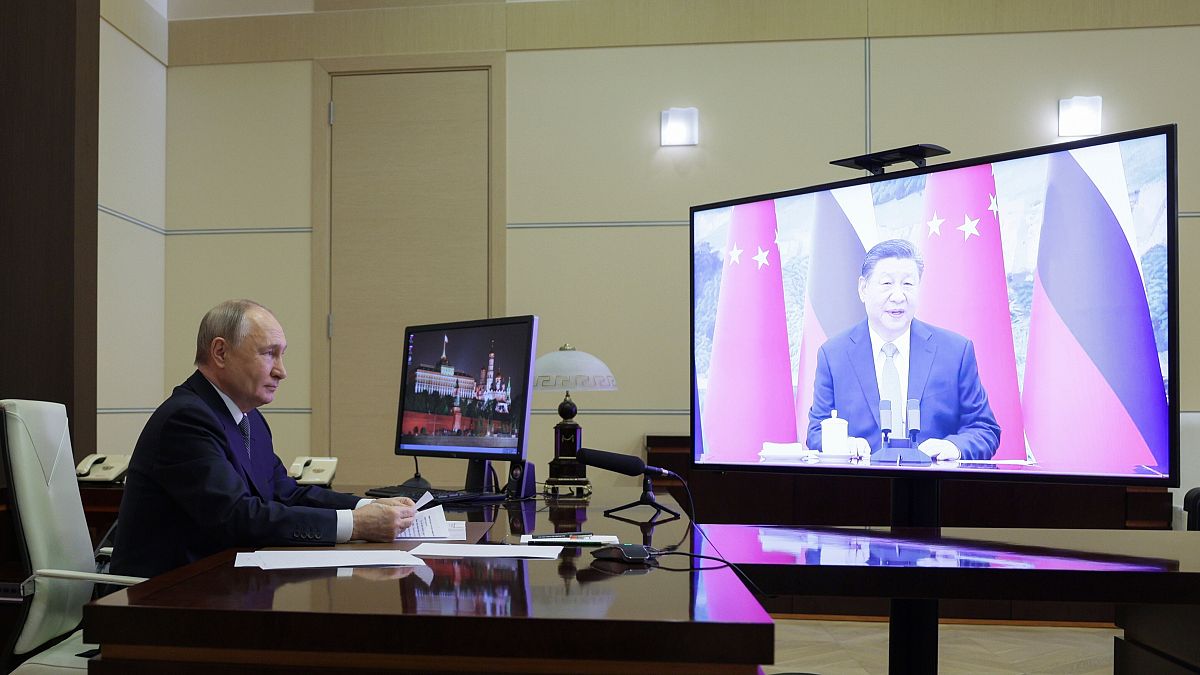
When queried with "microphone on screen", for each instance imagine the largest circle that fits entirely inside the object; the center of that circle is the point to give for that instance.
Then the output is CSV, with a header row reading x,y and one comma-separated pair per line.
x,y
914,419
885,418
623,464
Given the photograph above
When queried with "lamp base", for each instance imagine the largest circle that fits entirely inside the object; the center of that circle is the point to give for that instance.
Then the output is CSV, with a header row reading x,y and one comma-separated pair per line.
x,y
567,477
567,488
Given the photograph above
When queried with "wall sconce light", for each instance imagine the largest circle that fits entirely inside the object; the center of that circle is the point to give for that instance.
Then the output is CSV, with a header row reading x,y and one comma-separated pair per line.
x,y
680,126
1079,116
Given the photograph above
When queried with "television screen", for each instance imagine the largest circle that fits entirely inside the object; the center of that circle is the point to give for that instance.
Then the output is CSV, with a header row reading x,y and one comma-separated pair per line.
x,y
1006,316
466,389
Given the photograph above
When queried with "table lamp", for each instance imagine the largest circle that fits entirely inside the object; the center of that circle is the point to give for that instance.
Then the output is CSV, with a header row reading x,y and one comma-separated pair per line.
x,y
569,369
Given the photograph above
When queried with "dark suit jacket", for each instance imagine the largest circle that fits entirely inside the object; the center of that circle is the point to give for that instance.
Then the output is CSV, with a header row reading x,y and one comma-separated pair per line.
x,y
942,374
192,489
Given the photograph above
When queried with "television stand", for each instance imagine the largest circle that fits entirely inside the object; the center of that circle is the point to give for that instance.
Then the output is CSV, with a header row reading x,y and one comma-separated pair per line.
x,y
913,623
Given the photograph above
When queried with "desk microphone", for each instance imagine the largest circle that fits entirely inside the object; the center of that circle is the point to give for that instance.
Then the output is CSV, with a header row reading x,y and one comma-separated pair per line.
x,y
914,419
624,464
885,418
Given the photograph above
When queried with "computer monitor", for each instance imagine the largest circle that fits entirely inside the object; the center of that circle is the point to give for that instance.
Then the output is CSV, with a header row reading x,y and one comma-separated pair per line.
x,y
1045,345
466,389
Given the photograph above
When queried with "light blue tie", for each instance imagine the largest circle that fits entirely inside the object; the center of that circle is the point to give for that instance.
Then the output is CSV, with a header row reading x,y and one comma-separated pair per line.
x,y
889,385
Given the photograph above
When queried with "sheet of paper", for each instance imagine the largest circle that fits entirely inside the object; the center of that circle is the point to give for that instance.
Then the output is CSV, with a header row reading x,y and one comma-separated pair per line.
x,y
295,559
456,530
487,551
429,524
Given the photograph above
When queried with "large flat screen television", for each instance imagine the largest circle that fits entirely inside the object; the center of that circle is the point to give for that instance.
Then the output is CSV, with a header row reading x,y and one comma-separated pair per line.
x,y
1031,298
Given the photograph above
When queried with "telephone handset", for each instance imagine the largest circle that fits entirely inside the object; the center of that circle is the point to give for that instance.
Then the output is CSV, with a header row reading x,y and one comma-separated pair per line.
x,y
314,470
102,468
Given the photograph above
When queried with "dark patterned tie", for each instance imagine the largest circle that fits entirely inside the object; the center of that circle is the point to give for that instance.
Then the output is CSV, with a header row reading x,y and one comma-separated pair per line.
x,y
244,427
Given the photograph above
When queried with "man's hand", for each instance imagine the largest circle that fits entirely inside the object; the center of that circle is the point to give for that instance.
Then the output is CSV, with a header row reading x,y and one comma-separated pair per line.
x,y
940,449
382,521
858,448
395,501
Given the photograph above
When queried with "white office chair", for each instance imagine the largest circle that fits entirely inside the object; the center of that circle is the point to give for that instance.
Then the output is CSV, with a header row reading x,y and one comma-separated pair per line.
x,y
52,538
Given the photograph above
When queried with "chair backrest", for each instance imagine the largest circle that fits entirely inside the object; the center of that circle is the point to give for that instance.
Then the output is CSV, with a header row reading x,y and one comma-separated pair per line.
x,y
51,529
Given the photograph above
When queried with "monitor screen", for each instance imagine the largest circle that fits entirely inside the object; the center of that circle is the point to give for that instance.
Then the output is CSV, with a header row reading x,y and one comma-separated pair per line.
x,y
466,389
1006,316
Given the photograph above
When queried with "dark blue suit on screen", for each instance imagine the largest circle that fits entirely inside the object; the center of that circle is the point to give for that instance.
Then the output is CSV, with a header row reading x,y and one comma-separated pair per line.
x,y
942,374
193,490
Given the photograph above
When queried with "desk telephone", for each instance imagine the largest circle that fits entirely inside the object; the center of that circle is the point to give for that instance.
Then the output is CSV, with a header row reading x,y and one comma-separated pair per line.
x,y
102,468
314,470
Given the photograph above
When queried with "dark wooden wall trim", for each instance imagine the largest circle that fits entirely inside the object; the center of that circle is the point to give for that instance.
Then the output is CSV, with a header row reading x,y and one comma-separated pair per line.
x,y
50,56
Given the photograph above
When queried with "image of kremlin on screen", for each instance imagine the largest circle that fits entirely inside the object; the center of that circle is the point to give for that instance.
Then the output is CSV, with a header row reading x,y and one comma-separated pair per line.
x,y
464,397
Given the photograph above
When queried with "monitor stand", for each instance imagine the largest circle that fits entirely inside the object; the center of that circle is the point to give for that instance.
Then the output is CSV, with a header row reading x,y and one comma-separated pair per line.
x,y
417,482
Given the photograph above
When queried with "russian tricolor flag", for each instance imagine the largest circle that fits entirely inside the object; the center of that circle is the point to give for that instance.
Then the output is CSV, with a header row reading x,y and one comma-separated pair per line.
x,y
831,302
1093,394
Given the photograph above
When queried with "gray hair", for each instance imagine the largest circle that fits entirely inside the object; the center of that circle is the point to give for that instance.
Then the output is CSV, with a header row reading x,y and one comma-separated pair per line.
x,y
892,248
227,320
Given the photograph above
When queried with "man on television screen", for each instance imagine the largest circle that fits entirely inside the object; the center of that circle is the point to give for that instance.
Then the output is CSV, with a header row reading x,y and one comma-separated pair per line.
x,y
893,356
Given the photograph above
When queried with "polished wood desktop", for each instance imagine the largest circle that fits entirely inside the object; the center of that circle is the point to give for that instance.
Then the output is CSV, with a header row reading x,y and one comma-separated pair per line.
x,y
456,615
1153,576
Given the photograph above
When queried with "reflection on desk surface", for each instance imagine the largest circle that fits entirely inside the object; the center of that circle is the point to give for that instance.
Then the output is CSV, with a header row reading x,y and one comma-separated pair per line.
x,y
484,587
884,548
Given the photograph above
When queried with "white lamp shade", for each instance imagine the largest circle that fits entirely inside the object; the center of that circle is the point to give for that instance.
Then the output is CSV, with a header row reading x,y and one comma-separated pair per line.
x,y
1079,116
680,126
572,370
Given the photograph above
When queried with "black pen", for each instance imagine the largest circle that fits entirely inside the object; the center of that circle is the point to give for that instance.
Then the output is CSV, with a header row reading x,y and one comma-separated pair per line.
x,y
561,535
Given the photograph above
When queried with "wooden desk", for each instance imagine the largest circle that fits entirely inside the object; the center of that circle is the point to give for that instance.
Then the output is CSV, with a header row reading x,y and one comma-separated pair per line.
x,y
470,615
1154,576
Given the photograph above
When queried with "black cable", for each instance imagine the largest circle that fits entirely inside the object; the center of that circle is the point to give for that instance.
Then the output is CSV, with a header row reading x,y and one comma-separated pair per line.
x,y
671,550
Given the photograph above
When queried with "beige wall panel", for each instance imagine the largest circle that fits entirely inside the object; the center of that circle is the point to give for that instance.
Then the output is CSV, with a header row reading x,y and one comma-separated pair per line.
x,y
946,17
620,293
271,268
201,9
409,245
289,434
583,126
405,30
238,146
992,93
132,150
1189,315
118,432
611,23
129,315
139,22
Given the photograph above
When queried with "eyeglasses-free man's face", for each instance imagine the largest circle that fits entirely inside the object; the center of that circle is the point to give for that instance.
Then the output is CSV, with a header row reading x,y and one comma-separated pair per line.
x,y
891,295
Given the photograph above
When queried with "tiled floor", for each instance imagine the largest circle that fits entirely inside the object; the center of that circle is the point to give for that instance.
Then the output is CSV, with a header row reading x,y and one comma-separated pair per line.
x,y
857,648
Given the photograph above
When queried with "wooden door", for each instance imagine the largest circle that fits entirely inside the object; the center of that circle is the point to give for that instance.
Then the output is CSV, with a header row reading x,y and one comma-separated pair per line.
x,y
409,237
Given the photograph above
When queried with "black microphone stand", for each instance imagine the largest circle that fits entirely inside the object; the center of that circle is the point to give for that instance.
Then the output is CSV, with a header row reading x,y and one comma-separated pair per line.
x,y
647,499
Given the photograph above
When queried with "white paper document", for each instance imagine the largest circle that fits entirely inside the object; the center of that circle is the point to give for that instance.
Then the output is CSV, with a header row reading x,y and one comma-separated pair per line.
x,y
296,559
429,524
456,530
487,551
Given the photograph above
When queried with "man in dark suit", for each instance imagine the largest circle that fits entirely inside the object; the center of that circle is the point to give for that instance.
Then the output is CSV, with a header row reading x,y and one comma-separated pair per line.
x,y
204,476
892,356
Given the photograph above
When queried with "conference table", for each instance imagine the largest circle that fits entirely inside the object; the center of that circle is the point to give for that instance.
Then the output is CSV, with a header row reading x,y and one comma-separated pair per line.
x,y
496,615
579,615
